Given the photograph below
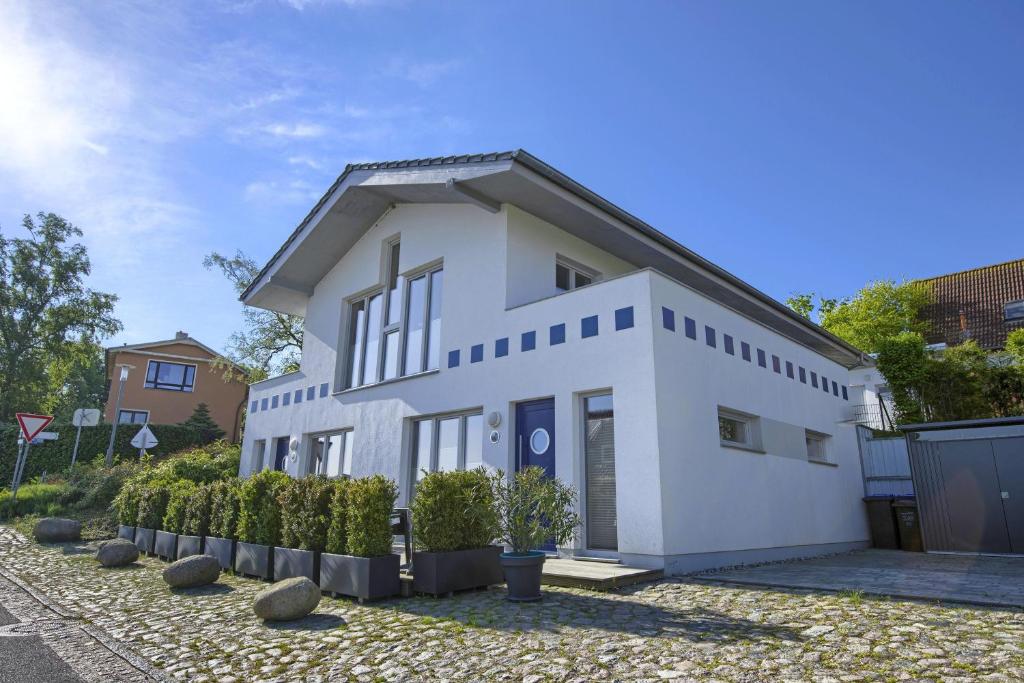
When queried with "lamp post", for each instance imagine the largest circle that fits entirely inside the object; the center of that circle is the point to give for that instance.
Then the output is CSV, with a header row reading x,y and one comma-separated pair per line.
x,y
117,413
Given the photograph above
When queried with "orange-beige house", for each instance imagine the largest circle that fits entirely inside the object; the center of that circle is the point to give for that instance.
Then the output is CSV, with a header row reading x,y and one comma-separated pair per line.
x,y
167,380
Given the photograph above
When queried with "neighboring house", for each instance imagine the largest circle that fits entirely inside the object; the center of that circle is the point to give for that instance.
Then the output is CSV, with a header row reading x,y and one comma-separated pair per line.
x,y
488,310
166,382
984,304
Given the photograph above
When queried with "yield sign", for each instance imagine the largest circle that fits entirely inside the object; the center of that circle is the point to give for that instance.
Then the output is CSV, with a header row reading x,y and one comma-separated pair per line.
x,y
31,424
145,438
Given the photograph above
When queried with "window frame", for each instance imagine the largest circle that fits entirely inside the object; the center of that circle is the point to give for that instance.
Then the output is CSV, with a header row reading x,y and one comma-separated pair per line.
x,y
133,412
1017,304
182,390
574,268
348,433
435,433
811,436
752,429
259,447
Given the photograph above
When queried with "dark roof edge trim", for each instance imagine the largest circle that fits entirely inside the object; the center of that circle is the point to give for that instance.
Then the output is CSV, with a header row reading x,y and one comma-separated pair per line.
x,y
961,424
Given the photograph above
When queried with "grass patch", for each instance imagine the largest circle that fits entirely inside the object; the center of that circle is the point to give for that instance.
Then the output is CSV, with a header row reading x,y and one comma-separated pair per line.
x,y
854,596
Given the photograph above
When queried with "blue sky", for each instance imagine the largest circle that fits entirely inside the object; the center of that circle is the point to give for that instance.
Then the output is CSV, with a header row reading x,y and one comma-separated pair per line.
x,y
804,146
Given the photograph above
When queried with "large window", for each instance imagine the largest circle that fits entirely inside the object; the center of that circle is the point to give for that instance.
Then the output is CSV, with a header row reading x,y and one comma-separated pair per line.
x,y
331,454
133,417
397,330
447,443
170,376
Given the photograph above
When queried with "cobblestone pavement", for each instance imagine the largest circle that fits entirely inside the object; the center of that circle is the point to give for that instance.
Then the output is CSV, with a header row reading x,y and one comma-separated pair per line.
x,y
670,630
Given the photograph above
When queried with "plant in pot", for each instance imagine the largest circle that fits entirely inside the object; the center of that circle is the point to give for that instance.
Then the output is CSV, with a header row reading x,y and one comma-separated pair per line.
x,y
126,503
259,523
305,508
220,541
153,498
533,510
197,522
166,543
359,562
456,522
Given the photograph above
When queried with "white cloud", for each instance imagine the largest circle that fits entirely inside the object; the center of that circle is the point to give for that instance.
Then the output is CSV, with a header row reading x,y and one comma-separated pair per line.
x,y
309,162
294,130
422,74
281,192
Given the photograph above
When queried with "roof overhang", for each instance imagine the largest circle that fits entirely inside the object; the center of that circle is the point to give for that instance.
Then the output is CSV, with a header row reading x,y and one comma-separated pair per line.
x,y
364,192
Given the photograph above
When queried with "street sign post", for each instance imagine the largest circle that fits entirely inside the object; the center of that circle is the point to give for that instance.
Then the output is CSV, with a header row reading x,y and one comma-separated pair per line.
x,y
83,417
31,425
144,439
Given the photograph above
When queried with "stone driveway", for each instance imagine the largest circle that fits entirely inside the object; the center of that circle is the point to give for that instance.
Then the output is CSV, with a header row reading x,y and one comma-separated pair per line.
x,y
670,630
978,580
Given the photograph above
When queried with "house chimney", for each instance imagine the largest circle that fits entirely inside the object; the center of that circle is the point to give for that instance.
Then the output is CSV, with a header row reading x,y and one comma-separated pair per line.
x,y
184,335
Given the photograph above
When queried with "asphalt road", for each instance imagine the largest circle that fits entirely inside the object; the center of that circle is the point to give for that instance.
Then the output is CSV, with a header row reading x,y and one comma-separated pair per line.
x,y
25,659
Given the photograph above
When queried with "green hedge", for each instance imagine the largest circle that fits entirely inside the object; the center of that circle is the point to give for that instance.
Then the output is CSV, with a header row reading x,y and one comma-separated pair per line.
x,y
177,505
305,512
370,502
259,513
454,511
197,511
55,456
337,530
224,509
153,505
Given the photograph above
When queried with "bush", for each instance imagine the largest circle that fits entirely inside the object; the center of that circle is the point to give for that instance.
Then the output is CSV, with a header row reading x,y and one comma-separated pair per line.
x,y
370,502
337,530
197,511
305,509
177,503
259,513
454,511
224,509
153,499
126,503
33,499
202,465
534,508
94,487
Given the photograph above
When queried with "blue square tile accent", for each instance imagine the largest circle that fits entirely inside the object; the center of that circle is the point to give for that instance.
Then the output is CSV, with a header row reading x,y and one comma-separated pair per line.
x,y
501,347
709,336
528,341
273,401
691,327
323,390
298,396
789,370
668,319
624,318
776,365
803,375
263,403
453,358
762,360
745,351
835,388
254,406
588,326
729,348
310,393
814,379
557,334
286,398
824,383
476,353
846,396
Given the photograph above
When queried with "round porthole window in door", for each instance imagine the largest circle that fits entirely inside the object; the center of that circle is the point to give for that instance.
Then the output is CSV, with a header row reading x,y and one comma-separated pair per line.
x,y
540,441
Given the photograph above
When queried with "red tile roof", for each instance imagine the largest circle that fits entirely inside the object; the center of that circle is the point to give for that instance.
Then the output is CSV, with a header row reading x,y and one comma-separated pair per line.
x,y
980,294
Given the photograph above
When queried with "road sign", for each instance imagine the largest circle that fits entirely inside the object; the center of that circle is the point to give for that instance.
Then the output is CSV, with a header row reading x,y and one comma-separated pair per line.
x,y
44,436
145,438
86,417
31,424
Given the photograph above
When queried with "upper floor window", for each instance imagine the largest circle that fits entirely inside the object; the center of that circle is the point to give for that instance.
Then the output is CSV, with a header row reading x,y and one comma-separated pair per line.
x,y
570,275
1014,310
171,376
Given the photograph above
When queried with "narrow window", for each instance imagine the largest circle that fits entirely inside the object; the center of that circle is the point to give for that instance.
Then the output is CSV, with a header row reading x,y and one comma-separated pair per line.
x,y
434,331
373,318
259,448
424,446
394,286
599,451
416,325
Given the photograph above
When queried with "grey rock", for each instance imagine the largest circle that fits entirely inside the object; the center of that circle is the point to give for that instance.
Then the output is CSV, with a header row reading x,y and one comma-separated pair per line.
x,y
57,530
287,600
191,571
117,553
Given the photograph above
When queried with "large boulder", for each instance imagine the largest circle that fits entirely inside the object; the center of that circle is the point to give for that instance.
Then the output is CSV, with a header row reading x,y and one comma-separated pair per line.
x,y
117,553
192,571
287,600
57,530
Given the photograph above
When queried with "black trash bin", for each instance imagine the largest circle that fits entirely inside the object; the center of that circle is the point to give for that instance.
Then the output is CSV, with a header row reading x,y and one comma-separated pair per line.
x,y
882,520
908,525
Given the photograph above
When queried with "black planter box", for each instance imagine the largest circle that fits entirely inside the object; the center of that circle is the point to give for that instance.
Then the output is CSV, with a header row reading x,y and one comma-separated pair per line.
x,y
366,578
126,532
223,549
289,563
254,560
144,539
457,570
189,545
165,545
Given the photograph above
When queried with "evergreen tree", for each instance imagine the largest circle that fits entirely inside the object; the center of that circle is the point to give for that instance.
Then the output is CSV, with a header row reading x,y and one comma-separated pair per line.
x,y
204,424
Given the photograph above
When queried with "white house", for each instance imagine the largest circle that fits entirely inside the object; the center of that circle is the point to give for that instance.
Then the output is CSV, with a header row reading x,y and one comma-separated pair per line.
x,y
487,309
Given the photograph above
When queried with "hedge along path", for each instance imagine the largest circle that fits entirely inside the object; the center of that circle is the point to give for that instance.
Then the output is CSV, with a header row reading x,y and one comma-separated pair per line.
x,y
55,456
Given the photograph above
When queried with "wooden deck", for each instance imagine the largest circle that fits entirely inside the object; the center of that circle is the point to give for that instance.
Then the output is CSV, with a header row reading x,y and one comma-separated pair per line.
x,y
600,576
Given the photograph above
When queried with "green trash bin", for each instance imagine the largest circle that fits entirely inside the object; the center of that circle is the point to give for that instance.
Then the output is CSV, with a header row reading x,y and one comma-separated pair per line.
x,y
882,522
908,524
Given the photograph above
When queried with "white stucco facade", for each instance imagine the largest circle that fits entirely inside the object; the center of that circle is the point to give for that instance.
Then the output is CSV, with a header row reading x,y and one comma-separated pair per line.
x,y
683,501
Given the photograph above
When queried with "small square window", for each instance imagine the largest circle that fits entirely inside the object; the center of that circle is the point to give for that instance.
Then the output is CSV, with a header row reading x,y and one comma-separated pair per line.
x,y
762,359
709,336
310,393
324,388
668,319
776,366
286,398
453,358
691,327
528,342
846,396
557,334
729,348
501,347
254,406
817,446
835,388
624,318
789,370
745,351
814,379
824,383
298,396
738,429
803,376
264,403
476,353
273,401
588,326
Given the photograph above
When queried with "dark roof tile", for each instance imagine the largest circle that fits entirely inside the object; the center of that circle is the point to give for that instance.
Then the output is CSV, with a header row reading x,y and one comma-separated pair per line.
x,y
981,294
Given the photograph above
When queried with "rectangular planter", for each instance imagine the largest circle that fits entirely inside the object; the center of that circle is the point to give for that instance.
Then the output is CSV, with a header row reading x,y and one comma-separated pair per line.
x,y
289,563
189,545
144,539
254,560
223,549
366,578
165,545
126,532
457,570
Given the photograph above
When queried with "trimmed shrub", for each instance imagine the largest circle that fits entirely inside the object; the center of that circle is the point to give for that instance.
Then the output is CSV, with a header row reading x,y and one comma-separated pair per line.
x,y
259,513
337,530
126,503
305,509
92,486
454,511
197,511
224,509
153,499
370,502
202,465
174,517
33,499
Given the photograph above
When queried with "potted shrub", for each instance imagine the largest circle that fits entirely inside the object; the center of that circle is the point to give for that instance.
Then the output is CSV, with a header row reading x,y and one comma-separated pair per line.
x,y
364,566
220,542
166,543
532,510
126,503
153,499
305,507
456,522
197,522
259,523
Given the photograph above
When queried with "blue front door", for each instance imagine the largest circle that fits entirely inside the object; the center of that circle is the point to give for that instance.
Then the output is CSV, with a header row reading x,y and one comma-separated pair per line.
x,y
280,453
535,439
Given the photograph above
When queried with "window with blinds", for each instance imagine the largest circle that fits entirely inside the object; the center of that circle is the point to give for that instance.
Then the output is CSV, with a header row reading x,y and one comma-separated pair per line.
x,y
599,445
